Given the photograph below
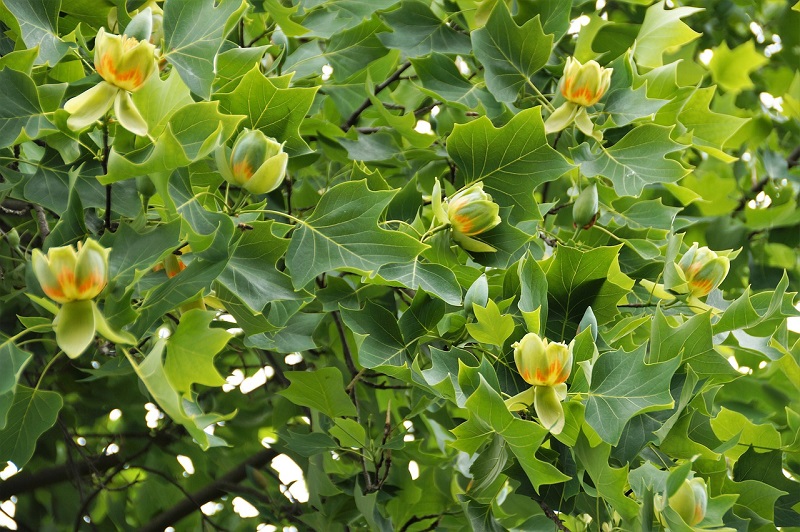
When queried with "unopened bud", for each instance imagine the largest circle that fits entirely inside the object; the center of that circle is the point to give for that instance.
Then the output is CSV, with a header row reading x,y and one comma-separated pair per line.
x,y
584,210
703,269
257,163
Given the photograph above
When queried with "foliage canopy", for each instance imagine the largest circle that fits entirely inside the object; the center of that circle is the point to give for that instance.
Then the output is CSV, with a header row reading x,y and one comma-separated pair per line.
x,y
316,233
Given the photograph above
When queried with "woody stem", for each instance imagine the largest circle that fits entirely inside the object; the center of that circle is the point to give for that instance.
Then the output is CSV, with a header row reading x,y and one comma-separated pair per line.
x,y
104,163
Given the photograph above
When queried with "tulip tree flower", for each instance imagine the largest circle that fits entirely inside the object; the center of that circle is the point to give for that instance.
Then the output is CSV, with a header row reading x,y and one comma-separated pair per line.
x,y
256,163
689,501
699,271
703,270
545,366
74,279
468,213
581,86
125,63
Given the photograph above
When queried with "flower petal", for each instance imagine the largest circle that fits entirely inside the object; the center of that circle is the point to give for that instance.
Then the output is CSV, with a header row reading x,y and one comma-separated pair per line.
x,y
74,325
128,115
548,409
269,176
87,108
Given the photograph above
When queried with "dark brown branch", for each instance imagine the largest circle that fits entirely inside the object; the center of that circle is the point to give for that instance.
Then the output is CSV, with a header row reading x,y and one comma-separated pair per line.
x,y
553,516
24,482
350,122
104,163
41,221
208,493
417,518
348,356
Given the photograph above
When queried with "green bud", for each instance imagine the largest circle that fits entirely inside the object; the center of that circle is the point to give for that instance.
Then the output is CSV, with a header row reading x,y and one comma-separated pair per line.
x,y
12,237
256,163
469,213
584,210
703,269
690,501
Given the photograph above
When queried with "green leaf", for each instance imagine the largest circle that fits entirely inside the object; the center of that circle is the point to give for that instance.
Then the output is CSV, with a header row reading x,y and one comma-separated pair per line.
x,y
251,272
196,278
134,254
691,340
38,27
193,32
342,233
433,278
349,433
384,344
491,327
191,350
322,389
347,52
159,99
622,385
441,78
21,115
579,279
635,161
275,110
662,30
282,16
731,68
308,444
729,424
510,54
489,414
623,103
707,130
511,160
610,482
418,31
12,361
191,134
152,373
32,413
767,467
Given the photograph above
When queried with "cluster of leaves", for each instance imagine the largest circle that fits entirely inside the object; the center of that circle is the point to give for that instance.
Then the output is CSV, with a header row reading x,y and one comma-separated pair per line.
x,y
387,346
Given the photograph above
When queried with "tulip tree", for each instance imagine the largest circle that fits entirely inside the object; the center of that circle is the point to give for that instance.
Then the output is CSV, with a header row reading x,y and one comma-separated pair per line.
x,y
399,265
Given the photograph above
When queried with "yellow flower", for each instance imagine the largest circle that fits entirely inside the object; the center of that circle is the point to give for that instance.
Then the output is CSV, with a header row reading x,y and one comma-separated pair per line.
x,y
67,276
74,280
584,84
703,269
542,363
125,64
256,163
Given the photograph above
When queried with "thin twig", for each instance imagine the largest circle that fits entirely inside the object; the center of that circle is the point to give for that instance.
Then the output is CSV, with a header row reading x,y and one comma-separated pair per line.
x,y
350,122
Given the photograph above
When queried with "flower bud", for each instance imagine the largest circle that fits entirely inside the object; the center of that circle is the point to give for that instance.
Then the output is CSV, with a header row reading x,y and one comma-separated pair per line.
x,y
542,363
257,163
123,61
584,84
472,211
584,210
703,269
67,276
690,501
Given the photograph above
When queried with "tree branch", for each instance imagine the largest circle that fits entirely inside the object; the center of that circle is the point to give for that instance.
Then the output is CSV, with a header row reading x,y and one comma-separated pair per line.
x,y
24,482
361,108
208,493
